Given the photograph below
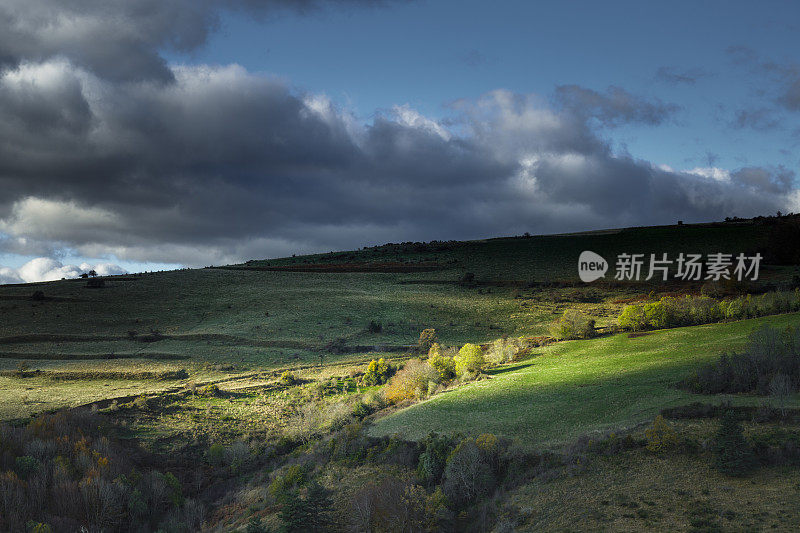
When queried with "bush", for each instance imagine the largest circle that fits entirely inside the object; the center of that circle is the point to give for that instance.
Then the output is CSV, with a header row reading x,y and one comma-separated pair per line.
x,y
507,349
732,453
216,454
210,391
374,327
410,382
469,360
377,373
661,436
26,466
573,325
288,379
444,365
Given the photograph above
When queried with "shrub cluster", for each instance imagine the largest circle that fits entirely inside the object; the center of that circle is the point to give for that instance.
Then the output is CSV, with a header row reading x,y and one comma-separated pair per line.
x,y
769,364
411,381
671,312
420,378
508,349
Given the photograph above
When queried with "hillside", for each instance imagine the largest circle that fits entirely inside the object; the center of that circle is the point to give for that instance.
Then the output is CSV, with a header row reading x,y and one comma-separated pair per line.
x,y
219,322
244,391
581,387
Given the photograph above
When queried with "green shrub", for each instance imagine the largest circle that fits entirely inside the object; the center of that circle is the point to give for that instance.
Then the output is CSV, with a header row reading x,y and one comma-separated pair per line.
x,y
292,477
216,454
361,410
288,379
469,360
26,466
573,325
633,318
433,459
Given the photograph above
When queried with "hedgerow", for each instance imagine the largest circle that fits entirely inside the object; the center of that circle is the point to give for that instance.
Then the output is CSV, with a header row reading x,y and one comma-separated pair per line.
x,y
671,312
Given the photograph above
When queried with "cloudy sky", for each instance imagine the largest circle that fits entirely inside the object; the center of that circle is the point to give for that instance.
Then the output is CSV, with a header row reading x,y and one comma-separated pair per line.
x,y
162,133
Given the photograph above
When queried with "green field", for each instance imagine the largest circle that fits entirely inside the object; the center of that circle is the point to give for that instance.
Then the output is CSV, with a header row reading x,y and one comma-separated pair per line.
x,y
243,319
575,388
238,378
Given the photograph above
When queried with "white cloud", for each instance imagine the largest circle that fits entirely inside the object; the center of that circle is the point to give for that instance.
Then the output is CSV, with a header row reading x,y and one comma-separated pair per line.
x,y
715,173
414,119
48,269
9,275
38,218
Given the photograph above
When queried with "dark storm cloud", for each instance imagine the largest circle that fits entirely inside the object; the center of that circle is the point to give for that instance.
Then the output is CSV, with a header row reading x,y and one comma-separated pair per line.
x,y
614,107
106,149
120,39
777,181
221,165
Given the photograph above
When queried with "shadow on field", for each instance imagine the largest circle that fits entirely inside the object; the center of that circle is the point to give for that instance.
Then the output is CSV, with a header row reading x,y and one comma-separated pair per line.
x,y
503,370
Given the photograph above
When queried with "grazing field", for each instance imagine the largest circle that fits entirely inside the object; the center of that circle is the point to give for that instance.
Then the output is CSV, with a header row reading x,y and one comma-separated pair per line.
x,y
220,399
264,316
580,387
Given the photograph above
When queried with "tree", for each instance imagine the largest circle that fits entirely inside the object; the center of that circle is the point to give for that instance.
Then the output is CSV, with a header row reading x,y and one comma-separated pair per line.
x,y
426,340
469,359
294,513
445,366
319,507
92,273
467,475
732,453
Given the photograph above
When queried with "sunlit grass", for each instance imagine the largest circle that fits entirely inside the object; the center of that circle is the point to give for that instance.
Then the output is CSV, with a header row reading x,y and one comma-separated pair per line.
x,y
578,387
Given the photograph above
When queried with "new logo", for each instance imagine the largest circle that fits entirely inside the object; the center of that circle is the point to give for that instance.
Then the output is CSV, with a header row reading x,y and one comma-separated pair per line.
x,y
591,266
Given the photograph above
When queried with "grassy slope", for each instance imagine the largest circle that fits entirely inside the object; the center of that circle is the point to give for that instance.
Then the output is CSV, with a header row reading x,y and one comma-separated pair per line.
x,y
266,320
573,388
642,491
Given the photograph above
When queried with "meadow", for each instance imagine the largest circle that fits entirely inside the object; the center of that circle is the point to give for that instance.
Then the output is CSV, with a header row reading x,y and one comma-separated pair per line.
x,y
582,387
247,382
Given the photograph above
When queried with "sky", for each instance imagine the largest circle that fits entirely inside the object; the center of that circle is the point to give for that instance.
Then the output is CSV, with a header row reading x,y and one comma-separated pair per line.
x,y
168,133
